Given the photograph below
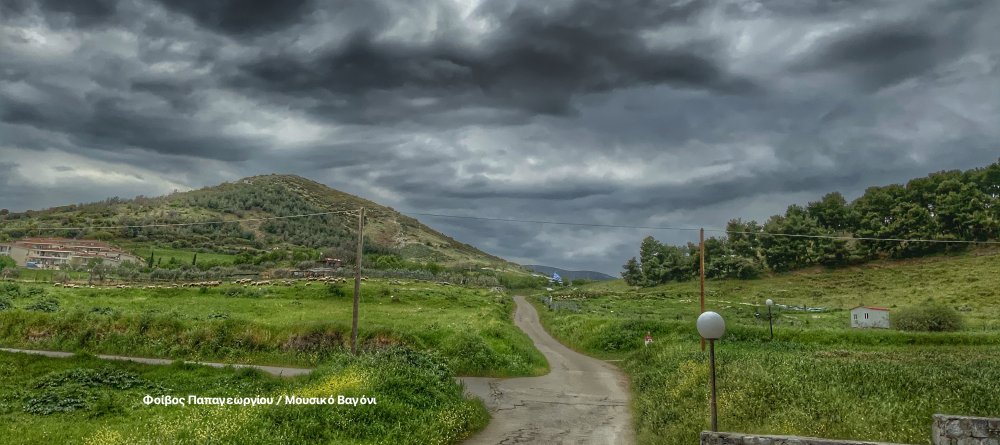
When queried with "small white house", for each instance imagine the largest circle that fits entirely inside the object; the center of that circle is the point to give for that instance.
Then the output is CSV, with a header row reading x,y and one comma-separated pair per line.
x,y
870,317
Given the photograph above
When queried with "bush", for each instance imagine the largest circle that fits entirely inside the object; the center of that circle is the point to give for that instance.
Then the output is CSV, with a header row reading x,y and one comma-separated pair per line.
x,y
10,289
46,305
338,291
929,317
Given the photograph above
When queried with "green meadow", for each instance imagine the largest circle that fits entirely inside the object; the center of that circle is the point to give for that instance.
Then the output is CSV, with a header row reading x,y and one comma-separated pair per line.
x,y
83,400
299,325
180,256
818,377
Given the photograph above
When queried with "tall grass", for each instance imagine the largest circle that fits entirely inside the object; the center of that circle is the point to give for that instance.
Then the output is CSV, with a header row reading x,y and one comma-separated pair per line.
x,y
298,325
418,401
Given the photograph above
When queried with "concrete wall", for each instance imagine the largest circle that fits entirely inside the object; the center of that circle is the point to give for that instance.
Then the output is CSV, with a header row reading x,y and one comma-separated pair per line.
x,y
945,430
710,438
962,430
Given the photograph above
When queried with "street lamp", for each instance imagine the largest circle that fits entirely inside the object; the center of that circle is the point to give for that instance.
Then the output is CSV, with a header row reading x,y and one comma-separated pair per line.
x,y
770,323
711,327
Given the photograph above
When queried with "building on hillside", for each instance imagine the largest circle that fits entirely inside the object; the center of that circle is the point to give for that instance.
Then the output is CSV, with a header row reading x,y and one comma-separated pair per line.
x,y
54,253
870,317
4,249
332,262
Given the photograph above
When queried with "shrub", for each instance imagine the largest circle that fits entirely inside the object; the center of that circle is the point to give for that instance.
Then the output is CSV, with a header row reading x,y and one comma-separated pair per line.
x,y
930,317
338,291
10,289
5,304
46,305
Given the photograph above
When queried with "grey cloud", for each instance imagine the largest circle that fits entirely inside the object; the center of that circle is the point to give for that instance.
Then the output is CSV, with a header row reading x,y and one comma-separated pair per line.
x,y
535,61
61,13
241,16
446,122
879,53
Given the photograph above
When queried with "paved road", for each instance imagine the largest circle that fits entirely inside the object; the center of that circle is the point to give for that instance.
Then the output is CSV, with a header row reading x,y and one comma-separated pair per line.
x,y
275,370
581,401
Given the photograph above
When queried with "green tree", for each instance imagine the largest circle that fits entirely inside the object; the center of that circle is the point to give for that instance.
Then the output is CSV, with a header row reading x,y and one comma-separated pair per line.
x,y
7,262
633,273
744,238
832,212
783,252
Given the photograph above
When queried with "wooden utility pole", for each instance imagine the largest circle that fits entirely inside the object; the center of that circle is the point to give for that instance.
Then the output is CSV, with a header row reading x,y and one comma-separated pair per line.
x,y
357,281
701,248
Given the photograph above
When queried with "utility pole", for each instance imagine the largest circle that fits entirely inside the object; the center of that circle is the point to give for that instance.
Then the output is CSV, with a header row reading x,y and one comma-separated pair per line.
x,y
357,281
701,248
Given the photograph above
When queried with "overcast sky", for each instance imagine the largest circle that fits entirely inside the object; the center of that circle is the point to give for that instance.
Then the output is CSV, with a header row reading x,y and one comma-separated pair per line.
x,y
615,112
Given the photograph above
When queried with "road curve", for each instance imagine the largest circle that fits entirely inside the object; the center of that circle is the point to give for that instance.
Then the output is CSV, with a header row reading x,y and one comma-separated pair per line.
x,y
582,400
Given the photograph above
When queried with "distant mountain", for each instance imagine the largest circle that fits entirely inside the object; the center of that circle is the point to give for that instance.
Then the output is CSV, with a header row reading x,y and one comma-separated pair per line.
x,y
570,274
253,200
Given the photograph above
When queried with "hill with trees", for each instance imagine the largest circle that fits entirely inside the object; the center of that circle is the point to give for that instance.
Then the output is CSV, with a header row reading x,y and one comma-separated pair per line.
x,y
392,240
946,206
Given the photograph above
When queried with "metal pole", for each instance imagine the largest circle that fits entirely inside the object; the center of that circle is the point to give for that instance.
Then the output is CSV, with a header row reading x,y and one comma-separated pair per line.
x,y
769,322
357,281
711,354
701,249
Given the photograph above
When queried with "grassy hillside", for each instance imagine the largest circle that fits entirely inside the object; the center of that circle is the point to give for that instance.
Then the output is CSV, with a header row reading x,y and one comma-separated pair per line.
x,y
387,232
818,377
969,282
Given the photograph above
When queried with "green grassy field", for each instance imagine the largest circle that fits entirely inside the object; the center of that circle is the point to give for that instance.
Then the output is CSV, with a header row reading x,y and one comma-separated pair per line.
x,y
818,377
84,400
968,282
298,325
181,256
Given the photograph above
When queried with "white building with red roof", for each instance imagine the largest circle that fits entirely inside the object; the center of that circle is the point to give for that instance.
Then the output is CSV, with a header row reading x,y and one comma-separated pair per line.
x,y
870,317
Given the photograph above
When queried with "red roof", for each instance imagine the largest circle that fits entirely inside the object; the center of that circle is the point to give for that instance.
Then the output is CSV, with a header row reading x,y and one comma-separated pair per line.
x,y
873,308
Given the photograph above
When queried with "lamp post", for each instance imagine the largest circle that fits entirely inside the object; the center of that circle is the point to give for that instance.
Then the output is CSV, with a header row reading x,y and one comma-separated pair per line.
x,y
711,327
770,323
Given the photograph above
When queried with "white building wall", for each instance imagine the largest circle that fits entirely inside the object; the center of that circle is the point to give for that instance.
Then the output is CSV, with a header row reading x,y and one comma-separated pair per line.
x,y
869,318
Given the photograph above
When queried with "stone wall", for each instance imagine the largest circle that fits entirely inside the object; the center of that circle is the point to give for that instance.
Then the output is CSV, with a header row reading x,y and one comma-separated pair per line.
x,y
710,438
946,430
962,430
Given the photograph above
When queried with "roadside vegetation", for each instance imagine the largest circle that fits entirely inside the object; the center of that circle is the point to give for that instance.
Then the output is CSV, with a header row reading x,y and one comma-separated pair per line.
x,y
944,206
84,400
296,325
818,377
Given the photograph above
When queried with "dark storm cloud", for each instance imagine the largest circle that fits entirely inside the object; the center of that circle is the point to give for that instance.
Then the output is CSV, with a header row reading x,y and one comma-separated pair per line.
x,y
883,53
241,16
535,61
83,13
676,113
109,123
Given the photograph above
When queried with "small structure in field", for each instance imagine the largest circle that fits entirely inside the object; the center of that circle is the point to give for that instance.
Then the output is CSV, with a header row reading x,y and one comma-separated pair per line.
x,y
870,317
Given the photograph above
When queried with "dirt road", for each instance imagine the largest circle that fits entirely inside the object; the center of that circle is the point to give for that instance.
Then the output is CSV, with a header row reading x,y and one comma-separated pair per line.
x,y
581,401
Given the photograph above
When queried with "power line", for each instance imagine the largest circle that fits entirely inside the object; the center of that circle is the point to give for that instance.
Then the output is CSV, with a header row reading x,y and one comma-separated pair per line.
x,y
515,220
730,232
197,223
561,223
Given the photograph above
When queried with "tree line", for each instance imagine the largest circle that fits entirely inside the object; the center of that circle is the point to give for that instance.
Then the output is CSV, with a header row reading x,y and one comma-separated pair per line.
x,y
949,206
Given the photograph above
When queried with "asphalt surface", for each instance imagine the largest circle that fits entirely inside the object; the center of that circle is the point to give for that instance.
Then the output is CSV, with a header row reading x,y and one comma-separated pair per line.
x,y
581,401
275,370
